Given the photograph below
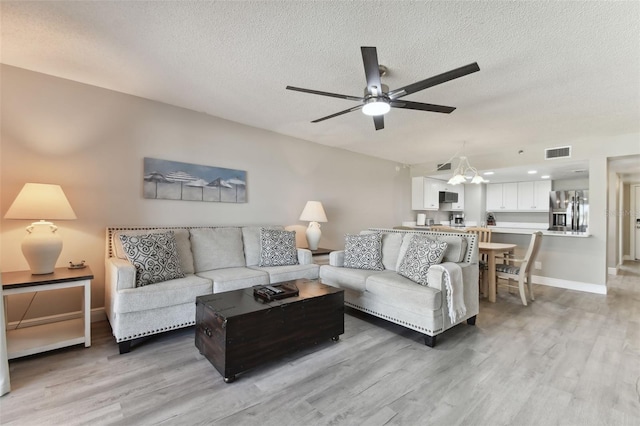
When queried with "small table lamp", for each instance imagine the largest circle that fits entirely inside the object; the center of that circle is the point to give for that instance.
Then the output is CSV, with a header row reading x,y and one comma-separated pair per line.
x,y
314,213
41,246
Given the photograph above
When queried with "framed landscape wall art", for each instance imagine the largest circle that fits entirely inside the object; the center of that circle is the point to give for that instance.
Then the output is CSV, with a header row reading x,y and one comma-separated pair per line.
x,y
172,180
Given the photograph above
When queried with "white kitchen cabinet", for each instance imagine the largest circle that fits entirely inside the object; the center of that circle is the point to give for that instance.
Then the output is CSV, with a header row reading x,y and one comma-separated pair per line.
x,y
494,196
425,193
502,197
534,196
525,196
541,192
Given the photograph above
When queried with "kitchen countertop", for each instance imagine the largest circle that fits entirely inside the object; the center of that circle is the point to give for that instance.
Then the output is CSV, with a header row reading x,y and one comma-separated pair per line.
x,y
505,230
514,228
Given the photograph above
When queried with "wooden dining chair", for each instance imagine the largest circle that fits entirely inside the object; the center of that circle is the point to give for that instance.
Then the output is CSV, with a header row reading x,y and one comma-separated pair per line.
x,y
484,236
520,269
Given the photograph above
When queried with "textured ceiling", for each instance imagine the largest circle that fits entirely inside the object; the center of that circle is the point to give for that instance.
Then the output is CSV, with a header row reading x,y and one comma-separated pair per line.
x,y
550,72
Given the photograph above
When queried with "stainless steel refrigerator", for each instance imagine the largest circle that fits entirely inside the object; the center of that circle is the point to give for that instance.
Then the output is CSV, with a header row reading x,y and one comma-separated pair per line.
x,y
569,211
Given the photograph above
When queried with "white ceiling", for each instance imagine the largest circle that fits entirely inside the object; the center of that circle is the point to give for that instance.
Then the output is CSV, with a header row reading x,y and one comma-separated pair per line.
x,y
567,169
550,71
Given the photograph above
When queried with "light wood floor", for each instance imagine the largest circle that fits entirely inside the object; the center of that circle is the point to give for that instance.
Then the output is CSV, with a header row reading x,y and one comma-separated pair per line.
x,y
569,358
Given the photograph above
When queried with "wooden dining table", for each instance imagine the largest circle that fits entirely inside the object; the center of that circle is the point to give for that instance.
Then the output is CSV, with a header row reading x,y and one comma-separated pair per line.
x,y
491,250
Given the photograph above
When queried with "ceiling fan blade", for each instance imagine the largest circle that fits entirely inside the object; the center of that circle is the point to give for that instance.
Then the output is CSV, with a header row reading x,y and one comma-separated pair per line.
x,y
372,70
378,120
333,95
433,81
355,108
422,107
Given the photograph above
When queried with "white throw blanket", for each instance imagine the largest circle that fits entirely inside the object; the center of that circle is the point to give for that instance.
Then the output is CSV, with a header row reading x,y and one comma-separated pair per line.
x,y
452,277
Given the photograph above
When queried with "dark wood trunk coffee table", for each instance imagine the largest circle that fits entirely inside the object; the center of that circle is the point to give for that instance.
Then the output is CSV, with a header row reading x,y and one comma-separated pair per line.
x,y
236,331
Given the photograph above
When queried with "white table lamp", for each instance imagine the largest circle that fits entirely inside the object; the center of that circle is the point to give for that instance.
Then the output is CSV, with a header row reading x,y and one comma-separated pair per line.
x,y
41,246
314,213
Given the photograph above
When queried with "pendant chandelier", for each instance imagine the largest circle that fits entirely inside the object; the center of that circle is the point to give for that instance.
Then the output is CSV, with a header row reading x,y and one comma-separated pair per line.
x,y
459,174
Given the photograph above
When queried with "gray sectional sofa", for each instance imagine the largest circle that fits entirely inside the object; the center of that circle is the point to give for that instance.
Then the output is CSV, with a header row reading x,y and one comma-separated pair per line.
x,y
212,260
391,296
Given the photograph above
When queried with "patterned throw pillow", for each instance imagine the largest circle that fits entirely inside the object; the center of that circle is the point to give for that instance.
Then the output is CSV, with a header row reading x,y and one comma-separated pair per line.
x,y
277,247
154,257
363,251
421,254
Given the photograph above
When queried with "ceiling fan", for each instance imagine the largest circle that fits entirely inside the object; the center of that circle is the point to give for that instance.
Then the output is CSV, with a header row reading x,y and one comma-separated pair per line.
x,y
378,99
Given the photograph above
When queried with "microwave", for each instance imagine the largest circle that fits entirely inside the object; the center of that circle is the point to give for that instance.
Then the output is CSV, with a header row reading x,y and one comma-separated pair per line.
x,y
448,197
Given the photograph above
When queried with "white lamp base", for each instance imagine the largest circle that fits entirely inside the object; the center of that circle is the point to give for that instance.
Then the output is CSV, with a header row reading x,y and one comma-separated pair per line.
x,y
313,235
42,247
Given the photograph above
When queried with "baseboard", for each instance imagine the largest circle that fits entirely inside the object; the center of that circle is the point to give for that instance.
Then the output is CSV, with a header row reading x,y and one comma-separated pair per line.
x,y
627,257
614,270
569,285
97,314
44,320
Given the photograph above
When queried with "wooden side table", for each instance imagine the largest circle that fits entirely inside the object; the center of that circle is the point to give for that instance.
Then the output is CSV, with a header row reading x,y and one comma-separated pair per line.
x,y
321,256
45,337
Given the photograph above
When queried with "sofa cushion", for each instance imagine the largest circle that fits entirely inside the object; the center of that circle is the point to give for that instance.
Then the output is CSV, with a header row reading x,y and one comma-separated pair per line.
x,y
394,289
154,257
456,248
251,240
216,248
363,251
455,252
352,279
183,245
282,273
228,279
277,247
391,243
421,254
162,294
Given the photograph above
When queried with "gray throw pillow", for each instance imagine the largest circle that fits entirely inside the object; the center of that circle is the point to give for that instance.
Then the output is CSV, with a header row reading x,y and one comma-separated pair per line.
x,y
363,252
421,254
154,256
277,247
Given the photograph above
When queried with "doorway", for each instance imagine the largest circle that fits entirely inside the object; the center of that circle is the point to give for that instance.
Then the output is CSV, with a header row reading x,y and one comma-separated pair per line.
x,y
635,222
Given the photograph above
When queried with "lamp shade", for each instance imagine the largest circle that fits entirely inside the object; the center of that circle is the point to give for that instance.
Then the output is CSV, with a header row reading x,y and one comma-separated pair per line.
x,y
38,201
41,246
313,212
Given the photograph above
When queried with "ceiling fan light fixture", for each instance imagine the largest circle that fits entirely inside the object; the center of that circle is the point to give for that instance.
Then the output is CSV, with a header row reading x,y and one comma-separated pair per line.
x,y
378,100
376,106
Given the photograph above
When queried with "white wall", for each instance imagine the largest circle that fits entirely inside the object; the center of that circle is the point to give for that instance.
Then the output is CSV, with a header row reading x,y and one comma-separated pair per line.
x,y
92,142
475,203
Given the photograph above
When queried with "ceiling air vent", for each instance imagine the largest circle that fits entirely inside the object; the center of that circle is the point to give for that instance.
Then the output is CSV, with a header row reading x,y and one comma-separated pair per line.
x,y
561,152
444,166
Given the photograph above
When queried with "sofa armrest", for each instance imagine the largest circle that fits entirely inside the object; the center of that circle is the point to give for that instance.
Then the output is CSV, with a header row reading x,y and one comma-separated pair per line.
x,y
120,274
336,258
434,278
470,291
434,275
305,257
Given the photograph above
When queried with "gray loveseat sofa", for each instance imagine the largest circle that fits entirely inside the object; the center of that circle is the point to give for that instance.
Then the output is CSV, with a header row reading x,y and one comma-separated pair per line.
x,y
391,296
213,260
